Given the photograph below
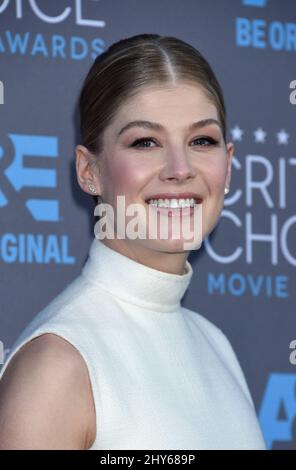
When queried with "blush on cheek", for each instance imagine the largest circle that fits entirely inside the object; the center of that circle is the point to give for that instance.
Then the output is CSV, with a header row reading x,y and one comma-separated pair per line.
x,y
129,177
217,176
121,182
216,185
122,174
118,181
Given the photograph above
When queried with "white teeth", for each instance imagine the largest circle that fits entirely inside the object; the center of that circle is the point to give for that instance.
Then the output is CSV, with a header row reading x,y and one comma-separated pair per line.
x,y
172,203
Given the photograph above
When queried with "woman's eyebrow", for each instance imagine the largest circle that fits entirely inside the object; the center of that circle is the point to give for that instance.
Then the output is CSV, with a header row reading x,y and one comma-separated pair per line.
x,y
158,127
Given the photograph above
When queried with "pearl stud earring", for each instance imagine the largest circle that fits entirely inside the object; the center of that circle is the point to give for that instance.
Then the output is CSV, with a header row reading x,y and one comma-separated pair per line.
x,y
226,190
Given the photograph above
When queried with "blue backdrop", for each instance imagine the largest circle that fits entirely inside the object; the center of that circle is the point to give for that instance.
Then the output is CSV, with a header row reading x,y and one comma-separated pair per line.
x,y
244,276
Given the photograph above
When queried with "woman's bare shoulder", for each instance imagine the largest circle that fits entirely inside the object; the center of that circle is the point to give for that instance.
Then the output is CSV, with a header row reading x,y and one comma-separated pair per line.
x,y
46,400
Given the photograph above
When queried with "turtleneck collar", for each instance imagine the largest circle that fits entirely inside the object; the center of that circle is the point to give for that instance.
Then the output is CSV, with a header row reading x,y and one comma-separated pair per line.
x,y
135,282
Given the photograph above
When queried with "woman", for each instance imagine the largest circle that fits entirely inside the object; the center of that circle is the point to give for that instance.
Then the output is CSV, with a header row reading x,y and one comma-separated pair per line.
x,y
115,361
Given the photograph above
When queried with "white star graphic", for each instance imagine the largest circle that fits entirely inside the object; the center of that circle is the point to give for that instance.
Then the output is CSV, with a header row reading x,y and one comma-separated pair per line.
x,y
236,133
283,137
260,135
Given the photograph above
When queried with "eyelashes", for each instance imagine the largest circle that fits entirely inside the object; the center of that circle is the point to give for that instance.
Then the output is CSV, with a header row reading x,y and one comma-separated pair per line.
x,y
138,143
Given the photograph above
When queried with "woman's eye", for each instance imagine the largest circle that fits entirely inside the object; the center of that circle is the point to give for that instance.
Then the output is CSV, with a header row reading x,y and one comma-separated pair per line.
x,y
138,142
142,143
206,139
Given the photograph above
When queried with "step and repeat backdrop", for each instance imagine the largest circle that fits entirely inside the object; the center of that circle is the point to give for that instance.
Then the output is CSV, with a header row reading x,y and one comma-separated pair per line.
x,y
245,273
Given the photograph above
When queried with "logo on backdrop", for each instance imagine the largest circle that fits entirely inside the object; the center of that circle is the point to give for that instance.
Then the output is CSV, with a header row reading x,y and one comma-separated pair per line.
x,y
56,46
258,33
20,175
267,183
254,3
277,413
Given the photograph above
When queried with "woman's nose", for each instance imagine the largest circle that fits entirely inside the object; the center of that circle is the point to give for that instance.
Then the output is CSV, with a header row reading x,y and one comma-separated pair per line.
x,y
177,166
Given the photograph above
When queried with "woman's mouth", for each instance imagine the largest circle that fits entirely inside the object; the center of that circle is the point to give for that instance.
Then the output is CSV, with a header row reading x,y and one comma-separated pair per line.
x,y
172,206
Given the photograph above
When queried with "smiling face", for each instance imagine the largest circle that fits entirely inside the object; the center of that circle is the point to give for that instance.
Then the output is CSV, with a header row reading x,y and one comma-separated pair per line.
x,y
171,157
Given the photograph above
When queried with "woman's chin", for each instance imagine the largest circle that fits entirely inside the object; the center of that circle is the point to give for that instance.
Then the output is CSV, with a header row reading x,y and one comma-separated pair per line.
x,y
171,245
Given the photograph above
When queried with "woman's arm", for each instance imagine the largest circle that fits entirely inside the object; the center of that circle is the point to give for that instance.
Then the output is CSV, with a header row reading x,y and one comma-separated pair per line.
x,y
45,398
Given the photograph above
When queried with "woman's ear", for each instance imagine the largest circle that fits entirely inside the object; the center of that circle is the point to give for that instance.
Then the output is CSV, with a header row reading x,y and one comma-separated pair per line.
x,y
85,172
230,151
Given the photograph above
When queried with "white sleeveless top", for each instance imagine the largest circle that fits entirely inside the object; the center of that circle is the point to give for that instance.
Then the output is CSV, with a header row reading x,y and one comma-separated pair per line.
x,y
162,376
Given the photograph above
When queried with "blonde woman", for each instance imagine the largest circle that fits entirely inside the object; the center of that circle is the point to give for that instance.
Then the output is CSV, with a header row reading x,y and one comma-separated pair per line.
x,y
115,361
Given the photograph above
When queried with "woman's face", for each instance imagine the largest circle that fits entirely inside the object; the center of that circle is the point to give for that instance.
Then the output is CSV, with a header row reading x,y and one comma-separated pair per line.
x,y
173,158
